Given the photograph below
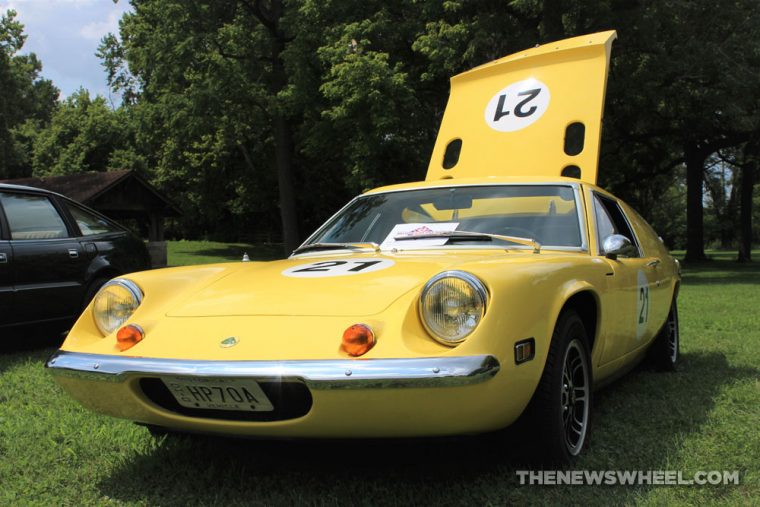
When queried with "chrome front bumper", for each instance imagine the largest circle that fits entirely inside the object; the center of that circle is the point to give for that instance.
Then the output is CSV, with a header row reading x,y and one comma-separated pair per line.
x,y
327,374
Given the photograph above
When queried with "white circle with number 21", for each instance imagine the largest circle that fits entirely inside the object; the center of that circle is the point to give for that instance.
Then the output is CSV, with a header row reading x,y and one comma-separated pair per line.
x,y
642,304
343,267
517,106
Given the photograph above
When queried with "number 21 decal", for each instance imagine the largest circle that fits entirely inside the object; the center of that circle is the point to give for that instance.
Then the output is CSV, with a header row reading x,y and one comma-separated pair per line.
x,y
517,106
644,304
323,269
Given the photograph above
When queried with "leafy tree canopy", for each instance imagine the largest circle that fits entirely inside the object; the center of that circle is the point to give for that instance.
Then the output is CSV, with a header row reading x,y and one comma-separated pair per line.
x,y
27,101
264,116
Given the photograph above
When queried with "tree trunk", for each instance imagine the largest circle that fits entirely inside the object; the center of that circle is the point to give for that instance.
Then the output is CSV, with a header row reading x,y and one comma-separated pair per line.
x,y
270,14
283,138
745,210
695,164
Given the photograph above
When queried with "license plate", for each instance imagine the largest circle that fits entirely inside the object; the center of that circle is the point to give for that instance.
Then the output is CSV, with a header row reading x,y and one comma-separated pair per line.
x,y
219,394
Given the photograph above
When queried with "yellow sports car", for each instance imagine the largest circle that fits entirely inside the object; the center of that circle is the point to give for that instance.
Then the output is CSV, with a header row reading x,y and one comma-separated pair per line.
x,y
506,284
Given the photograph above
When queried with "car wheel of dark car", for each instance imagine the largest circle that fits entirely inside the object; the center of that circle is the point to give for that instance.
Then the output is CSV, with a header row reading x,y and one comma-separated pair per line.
x,y
161,433
93,289
560,411
664,353
157,431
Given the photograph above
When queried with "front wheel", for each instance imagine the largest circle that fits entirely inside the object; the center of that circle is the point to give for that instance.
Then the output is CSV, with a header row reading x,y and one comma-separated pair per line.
x,y
92,290
560,411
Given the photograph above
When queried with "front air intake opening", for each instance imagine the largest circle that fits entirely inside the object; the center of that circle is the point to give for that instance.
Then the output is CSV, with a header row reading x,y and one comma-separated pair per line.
x,y
289,399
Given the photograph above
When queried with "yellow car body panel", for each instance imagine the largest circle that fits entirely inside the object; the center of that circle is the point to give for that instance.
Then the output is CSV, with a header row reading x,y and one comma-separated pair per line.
x,y
513,314
527,296
511,114
335,413
281,323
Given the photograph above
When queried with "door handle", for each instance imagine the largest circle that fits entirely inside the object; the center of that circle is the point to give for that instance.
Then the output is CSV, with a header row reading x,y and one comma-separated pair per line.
x,y
73,253
653,264
3,258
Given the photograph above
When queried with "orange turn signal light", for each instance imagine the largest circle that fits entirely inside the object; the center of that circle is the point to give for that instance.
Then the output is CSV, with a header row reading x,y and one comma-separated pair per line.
x,y
129,336
357,340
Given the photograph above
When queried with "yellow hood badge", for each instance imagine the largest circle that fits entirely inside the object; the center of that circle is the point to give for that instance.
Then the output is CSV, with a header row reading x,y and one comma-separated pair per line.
x,y
534,113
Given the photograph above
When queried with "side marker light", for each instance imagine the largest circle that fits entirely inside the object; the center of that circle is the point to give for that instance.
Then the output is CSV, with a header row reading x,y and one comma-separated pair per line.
x,y
525,350
129,336
358,340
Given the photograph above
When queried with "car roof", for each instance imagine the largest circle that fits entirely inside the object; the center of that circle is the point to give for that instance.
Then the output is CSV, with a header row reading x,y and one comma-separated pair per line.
x,y
482,181
8,186
24,188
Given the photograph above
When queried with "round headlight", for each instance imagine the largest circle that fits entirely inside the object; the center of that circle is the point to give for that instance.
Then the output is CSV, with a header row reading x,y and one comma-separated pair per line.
x,y
116,301
452,305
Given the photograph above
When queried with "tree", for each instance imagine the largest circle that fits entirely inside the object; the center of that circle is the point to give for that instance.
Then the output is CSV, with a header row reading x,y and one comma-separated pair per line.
x,y
254,102
83,135
679,98
721,182
213,71
26,102
238,87
748,168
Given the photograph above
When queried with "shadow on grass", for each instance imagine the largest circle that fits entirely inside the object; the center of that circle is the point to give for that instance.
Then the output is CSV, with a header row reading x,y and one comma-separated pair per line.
x,y
733,277
28,338
721,272
745,279
18,354
640,422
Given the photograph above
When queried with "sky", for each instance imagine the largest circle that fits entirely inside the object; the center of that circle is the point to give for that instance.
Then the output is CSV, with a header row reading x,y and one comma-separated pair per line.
x,y
65,35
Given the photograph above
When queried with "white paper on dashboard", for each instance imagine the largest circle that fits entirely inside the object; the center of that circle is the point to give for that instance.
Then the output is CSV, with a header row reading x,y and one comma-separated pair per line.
x,y
417,229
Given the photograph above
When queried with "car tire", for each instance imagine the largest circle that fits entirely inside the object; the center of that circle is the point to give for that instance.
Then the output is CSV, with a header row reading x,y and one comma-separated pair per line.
x,y
161,432
665,351
157,432
92,289
560,411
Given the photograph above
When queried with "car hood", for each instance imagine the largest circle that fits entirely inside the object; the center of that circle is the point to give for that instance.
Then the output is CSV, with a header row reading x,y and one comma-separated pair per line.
x,y
335,285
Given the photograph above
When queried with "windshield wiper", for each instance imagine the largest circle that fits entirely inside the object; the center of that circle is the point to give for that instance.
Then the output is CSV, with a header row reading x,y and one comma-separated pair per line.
x,y
473,236
336,246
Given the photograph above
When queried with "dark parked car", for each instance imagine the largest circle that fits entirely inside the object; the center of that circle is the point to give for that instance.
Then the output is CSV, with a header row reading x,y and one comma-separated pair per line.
x,y
55,254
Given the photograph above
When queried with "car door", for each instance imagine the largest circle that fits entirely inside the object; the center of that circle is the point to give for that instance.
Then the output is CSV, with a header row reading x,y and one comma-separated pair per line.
x,y
6,284
661,265
47,262
629,283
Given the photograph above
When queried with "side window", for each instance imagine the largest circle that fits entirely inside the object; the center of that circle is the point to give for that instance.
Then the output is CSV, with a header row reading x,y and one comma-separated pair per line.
x,y
32,217
3,232
89,223
611,220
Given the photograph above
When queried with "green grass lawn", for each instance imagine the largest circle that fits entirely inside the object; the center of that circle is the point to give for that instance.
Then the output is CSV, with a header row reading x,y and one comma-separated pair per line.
x,y
182,253
704,417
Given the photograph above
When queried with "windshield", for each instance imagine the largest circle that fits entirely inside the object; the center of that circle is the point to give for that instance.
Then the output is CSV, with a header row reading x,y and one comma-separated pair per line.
x,y
547,214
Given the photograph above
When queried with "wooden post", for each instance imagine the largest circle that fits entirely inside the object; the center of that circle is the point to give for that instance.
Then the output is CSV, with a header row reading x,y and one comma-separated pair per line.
x,y
156,243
